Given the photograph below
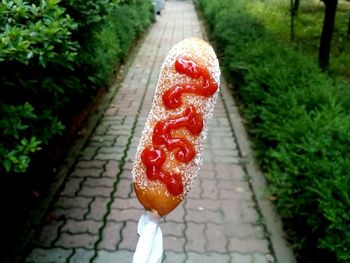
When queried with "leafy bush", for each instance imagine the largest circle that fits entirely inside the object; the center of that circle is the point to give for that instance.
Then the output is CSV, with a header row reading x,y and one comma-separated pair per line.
x,y
33,39
125,23
300,122
54,55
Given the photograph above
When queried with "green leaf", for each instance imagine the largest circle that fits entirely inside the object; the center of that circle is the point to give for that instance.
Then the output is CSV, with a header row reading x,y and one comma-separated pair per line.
x,y
7,165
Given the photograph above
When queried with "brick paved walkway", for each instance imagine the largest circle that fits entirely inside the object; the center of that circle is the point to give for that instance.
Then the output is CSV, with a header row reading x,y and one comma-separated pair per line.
x,y
96,214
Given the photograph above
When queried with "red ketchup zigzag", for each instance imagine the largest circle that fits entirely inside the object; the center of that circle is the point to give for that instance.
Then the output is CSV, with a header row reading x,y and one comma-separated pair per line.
x,y
153,157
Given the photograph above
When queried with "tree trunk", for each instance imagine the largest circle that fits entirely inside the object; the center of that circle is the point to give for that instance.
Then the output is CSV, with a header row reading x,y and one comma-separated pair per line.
x,y
327,31
296,6
292,15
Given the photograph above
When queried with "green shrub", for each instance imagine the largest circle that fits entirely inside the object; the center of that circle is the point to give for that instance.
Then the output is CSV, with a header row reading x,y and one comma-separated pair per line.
x,y
54,55
34,38
300,122
123,24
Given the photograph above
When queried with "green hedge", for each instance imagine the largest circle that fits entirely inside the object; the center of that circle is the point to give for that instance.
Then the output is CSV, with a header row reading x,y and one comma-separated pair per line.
x,y
299,120
54,55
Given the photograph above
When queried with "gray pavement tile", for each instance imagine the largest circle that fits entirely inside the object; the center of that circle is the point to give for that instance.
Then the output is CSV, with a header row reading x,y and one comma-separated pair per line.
x,y
207,258
111,236
98,209
113,256
84,240
196,239
129,236
174,244
249,245
53,255
81,255
173,257
86,226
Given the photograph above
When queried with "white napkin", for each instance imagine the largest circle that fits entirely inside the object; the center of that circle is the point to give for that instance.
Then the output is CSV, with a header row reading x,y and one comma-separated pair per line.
x,y
149,248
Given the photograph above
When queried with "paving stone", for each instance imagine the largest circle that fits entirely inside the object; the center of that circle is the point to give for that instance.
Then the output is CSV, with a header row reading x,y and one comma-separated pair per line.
x,y
207,258
111,111
128,166
122,140
207,167
118,215
111,169
98,209
96,139
177,215
235,185
172,228
111,236
241,258
131,153
76,201
121,126
231,211
99,144
218,144
243,230
81,255
112,149
76,213
124,188
125,203
101,191
226,159
89,172
209,189
129,236
109,156
86,226
196,240
248,245
215,235
249,213
196,190
101,129
175,244
207,174
99,182
115,256
203,216
72,186
126,175
203,204
117,132
173,257
262,258
76,240
88,153
129,120
207,156
229,171
49,233
53,255
229,153
236,194
90,164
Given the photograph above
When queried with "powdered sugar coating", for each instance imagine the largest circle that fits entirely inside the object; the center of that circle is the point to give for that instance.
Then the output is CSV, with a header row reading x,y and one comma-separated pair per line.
x,y
203,54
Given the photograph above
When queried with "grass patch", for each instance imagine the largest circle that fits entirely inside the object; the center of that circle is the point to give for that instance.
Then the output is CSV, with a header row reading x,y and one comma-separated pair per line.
x,y
275,15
